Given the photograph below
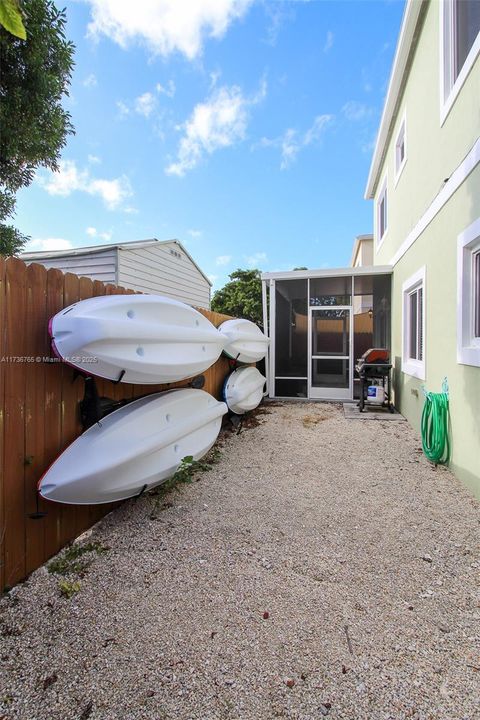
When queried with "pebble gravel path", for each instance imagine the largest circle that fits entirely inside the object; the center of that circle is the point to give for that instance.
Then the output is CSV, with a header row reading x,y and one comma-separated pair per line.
x,y
322,568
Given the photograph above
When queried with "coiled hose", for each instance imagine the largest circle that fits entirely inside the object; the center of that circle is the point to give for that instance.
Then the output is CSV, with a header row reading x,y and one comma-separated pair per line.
x,y
435,442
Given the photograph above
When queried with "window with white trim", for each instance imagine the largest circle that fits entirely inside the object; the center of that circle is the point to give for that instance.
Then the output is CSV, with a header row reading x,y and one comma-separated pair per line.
x,y
400,150
476,294
468,295
382,217
460,45
413,319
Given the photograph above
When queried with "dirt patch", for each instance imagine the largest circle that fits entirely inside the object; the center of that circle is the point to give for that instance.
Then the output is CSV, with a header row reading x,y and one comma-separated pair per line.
x,y
309,421
249,421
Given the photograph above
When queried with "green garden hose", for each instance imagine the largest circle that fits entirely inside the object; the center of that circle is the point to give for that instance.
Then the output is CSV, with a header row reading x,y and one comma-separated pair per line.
x,y
435,441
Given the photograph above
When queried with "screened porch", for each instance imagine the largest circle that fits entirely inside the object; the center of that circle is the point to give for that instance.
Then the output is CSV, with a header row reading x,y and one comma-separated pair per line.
x,y
320,322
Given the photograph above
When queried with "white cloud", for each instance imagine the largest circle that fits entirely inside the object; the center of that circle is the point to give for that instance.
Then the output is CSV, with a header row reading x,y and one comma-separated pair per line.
x,y
256,260
165,26
145,104
123,109
94,233
223,259
212,278
355,111
70,179
329,40
277,14
315,132
195,233
47,244
214,78
217,123
292,141
93,159
291,146
112,192
261,92
129,210
90,81
168,90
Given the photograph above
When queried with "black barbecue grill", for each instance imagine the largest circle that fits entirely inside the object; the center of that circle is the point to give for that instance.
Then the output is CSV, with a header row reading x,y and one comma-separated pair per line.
x,y
375,365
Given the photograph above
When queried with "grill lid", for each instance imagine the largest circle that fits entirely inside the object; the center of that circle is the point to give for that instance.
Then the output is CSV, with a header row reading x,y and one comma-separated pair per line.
x,y
374,356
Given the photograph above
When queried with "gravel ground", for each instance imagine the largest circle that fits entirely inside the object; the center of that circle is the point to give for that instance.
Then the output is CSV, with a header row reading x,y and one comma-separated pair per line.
x,y
321,569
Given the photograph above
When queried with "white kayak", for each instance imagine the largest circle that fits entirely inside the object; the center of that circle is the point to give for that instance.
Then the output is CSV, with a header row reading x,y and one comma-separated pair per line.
x,y
142,339
134,448
246,342
243,390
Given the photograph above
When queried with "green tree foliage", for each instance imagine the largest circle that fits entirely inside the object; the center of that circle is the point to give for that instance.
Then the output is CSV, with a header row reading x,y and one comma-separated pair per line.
x,y
241,297
11,18
35,75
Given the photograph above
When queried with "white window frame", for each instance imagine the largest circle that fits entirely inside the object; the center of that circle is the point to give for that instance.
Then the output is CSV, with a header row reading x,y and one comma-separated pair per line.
x,y
382,194
410,366
468,346
449,89
401,135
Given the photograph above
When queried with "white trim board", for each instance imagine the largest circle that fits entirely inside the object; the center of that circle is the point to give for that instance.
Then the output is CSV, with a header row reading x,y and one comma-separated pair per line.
x,y
266,331
271,347
383,195
468,347
330,272
451,186
414,368
448,97
398,170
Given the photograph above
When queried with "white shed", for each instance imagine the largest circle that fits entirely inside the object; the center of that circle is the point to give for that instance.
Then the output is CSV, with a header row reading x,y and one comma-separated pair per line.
x,y
163,267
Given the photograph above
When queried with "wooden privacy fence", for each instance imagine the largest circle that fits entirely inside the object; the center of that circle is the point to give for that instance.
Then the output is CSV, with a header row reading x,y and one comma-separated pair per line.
x,y
39,411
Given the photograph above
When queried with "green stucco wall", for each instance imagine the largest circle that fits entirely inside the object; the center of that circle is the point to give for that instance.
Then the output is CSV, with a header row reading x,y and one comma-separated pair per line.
x,y
436,249
434,151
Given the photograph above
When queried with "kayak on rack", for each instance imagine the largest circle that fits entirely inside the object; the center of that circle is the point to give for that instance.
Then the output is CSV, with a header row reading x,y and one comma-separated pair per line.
x,y
246,342
134,448
141,339
243,390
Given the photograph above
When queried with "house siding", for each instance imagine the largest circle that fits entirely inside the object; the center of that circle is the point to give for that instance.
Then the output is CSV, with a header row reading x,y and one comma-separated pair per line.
x,y
154,269
434,151
97,266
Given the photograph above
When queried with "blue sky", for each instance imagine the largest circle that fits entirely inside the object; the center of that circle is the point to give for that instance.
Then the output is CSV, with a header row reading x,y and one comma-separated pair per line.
x,y
243,128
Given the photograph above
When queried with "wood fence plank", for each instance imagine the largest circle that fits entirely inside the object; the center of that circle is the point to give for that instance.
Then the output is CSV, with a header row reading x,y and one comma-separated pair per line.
x,y
71,426
36,346
116,391
53,411
2,421
85,291
97,511
15,379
